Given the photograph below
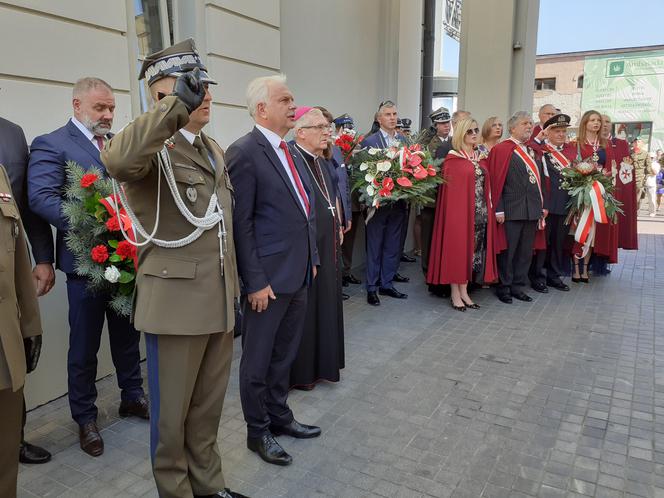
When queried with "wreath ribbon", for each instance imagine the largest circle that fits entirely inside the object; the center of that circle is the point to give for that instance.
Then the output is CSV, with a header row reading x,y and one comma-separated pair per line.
x,y
592,214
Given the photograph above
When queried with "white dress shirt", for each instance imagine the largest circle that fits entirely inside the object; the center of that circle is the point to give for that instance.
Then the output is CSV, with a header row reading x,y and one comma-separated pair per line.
x,y
275,140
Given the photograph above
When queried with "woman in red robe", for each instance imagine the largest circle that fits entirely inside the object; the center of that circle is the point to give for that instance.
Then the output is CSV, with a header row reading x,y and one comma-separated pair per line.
x,y
592,148
462,245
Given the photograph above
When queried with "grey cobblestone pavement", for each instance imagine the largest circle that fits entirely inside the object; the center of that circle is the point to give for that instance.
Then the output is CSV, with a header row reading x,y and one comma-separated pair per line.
x,y
562,397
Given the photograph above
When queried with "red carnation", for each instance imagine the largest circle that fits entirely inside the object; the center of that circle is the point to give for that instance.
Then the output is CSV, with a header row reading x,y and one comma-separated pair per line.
x,y
99,253
113,224
125,250
88,179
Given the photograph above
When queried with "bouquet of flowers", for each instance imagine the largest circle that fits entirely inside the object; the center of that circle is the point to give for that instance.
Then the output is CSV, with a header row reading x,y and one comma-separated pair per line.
x,y
348,142
591,201
589,188
406,173
94,236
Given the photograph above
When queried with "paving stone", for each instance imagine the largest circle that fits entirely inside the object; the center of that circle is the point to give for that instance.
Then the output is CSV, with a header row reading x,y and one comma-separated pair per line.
x,y
563,396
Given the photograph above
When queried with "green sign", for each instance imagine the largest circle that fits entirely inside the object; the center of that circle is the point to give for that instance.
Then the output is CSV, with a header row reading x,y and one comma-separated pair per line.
x,y
629,88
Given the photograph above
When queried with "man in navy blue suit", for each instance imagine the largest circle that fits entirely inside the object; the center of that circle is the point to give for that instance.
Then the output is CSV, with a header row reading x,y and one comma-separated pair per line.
x,y
80,140
275,240
385,227
14,157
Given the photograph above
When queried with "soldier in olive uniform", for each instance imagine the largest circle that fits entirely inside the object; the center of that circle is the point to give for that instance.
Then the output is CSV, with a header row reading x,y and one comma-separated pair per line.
x,y
179,197
20,333
642,168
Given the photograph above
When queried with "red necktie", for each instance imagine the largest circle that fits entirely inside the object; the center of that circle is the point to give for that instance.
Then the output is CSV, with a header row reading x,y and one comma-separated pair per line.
x,y
100,142
296,176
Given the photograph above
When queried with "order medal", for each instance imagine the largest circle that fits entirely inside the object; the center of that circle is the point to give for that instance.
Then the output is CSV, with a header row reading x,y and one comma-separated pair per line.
x,y
192,194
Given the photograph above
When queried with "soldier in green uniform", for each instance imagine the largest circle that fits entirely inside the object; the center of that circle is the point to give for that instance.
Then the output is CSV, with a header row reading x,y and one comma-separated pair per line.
x,y
20,333
642,168
178,194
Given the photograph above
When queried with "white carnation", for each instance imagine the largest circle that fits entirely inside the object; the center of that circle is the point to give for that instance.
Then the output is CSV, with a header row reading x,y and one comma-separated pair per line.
x,y
112,274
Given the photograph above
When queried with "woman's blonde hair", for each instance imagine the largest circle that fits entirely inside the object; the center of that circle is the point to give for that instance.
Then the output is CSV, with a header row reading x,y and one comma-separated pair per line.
x,y
460,130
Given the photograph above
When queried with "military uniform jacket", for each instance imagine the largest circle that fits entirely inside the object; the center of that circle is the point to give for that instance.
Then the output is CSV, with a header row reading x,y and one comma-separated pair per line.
x,y
558,197
19,310
179,291
439,148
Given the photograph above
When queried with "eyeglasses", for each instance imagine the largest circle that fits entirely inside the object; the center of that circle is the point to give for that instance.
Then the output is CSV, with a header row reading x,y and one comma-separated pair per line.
x,y
320,128
472,131
386,103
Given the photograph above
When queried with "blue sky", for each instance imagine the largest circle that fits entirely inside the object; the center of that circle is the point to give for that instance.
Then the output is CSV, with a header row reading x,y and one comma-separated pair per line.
x,y
573,25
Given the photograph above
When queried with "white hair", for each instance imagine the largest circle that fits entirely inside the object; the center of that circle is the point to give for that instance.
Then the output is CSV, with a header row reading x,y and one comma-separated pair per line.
x,y
259,90
516,117
308,117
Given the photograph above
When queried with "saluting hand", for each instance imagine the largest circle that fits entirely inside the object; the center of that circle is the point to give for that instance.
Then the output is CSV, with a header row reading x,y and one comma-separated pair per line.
x,y
260,299
190,89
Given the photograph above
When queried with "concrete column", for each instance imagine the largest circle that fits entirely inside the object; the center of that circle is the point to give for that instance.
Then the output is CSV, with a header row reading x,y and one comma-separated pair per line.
x,y
497,63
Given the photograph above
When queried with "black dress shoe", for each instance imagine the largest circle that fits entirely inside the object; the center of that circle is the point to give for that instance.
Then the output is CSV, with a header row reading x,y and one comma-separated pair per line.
x,y
29,453
407,259
539,287
558,285
521,296
135,408
350,279
295,429
90,439
345,296
392,292
400,278
224,493
505,298
269,449
372,299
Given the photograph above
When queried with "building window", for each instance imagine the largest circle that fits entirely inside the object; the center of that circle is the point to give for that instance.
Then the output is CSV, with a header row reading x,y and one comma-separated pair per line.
x,y
545,83
579,81
154,31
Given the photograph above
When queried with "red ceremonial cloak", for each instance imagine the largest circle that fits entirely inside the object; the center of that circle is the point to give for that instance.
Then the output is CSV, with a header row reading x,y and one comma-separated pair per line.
x,y
453,240
625,193
606,234
499,161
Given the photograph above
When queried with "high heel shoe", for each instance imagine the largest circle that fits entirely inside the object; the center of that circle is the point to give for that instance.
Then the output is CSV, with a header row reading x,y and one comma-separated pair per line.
x,y
472,306
576,280
458,308
585,280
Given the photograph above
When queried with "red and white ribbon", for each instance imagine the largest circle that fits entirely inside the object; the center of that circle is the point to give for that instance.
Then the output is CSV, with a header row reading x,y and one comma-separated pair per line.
x,y
595,213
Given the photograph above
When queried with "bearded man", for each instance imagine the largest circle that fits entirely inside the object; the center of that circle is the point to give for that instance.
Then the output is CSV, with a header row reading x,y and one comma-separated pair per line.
x,y
80,141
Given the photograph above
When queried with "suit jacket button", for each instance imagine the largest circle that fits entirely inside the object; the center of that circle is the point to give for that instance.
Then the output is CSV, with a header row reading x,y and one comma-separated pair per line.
x,y
164,271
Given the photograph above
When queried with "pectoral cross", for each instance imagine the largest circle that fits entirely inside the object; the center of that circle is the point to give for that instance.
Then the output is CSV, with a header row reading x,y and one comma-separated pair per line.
x,y
333,210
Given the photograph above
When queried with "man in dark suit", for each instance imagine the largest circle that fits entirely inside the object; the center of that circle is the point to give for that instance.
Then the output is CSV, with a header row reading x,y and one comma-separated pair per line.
x,y
14,157
556,154
80,140
275,242
384,229
517,190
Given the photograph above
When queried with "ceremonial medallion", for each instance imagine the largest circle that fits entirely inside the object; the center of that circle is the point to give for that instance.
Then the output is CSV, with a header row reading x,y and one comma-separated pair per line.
x,y
192,194
532,179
